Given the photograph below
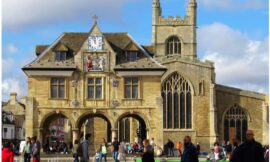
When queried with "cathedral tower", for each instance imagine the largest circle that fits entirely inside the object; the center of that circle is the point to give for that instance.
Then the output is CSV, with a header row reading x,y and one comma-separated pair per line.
x,y
174,36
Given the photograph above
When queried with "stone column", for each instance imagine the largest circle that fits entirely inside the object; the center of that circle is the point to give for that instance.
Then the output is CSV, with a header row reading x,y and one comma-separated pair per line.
x,y
213,115
114,133
39,134
29,116
75,135
147,134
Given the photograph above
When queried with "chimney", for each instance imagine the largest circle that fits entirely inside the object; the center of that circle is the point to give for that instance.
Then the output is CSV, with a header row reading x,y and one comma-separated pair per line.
x,y
23,100
13,96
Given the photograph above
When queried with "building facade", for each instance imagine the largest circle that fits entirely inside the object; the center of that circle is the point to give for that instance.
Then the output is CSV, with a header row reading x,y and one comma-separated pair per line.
x,y
109,85
13,112
8,126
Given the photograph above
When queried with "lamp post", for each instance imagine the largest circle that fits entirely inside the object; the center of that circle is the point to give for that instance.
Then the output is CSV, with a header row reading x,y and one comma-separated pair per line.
x,y
84,129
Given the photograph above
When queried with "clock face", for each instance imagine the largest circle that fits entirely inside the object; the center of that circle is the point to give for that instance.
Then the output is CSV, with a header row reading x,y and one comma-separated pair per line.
x,y
95,43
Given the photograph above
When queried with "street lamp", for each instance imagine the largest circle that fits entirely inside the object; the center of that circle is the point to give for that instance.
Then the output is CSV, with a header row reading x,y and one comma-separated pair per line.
x,y
84,132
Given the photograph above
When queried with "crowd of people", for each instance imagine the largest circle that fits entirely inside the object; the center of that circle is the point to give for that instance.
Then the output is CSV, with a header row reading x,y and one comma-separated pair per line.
x,y
31,150
248,151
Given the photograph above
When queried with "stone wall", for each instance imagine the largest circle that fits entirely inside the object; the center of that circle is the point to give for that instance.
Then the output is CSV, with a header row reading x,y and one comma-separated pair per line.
x,y
250,102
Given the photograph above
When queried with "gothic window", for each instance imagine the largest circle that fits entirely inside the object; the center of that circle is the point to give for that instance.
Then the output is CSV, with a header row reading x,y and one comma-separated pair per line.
x,y
58,88
177,103
94,88
235,123
131,88
173,46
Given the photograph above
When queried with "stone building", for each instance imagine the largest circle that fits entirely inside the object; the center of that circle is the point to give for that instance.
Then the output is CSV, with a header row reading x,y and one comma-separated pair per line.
x,y
8,126
15,109
109,85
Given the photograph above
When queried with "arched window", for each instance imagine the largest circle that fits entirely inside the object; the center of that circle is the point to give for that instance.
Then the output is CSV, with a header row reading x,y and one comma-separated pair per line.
x,y
235,123
173,46
177,103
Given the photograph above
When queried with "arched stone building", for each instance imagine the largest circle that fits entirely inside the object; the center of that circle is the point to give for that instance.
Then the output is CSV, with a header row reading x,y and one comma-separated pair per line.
x,y
127,90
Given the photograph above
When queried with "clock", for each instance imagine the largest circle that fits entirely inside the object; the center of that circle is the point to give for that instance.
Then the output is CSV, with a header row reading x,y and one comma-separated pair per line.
x,y
95,43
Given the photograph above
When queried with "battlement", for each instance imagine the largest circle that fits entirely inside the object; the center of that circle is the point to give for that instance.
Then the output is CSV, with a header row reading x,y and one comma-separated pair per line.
x,y
174,20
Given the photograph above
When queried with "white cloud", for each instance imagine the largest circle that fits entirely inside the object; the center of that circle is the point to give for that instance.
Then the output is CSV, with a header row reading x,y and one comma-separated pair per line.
x,y
13,85
19,14
7,65
13,78
11,48
239,60
234,4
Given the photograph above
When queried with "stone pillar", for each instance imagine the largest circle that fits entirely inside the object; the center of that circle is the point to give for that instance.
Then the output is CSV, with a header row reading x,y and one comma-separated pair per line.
x,y
213,115
29,117
114,133
39,134
147,134
75,135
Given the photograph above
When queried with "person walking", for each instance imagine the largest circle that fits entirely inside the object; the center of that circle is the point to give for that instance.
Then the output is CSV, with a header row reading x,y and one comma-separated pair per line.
x,y
179,147
115,148
27,150
170,146
74,151
152,142
103,150
122,151
85,150
7,154
47,144
35,152
236,142
148,152
190,151
228,149
198,147
249,151
266,153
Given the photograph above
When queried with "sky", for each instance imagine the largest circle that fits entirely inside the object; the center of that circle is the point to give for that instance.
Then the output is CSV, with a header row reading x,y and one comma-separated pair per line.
x,y
232,33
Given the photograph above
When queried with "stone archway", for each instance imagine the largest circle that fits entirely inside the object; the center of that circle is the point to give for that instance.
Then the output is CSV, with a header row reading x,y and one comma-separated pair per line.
x,y
97,124
56,127
131,127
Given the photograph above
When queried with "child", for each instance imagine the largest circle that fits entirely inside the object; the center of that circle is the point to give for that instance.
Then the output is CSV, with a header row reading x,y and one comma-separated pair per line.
x,y
129,149
97,156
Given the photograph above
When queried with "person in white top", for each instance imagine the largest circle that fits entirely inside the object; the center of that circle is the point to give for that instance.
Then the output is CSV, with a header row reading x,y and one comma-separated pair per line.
x,y
152,142
122,151
216,155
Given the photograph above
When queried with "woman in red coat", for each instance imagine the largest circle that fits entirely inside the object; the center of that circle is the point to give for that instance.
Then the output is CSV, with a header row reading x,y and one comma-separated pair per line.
x,y
7,154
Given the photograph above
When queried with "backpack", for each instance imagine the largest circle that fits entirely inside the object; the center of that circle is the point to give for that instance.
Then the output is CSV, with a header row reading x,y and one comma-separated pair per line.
x,y
80,150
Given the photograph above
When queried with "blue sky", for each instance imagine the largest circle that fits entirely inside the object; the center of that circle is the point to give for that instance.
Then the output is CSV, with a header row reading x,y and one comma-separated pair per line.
x,y
232,33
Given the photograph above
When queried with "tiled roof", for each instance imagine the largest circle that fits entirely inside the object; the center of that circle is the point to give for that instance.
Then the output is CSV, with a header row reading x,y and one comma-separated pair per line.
x,y
120,40
74,41
143,63
150,49
40,49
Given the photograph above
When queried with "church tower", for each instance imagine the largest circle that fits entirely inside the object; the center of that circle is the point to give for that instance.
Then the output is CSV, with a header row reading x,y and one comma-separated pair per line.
x,y
174,36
